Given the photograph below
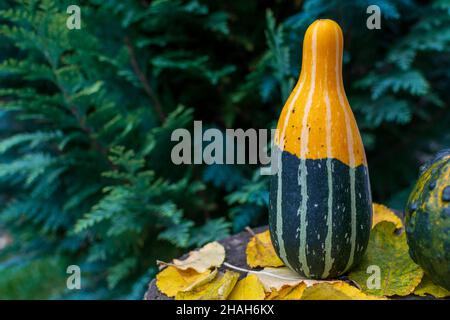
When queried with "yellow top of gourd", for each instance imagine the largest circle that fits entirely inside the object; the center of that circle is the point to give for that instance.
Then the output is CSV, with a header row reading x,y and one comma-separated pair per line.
x,y
316,121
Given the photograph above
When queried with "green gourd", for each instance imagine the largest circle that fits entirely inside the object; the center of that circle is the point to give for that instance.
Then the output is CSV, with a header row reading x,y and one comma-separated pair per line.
x,y
427,219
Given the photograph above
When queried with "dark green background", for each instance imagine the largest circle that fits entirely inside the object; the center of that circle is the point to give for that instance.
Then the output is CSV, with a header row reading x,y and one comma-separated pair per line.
x,y
86,117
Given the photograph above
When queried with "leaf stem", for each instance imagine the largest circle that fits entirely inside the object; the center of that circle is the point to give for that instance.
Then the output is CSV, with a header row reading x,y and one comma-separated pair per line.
x,y
261,272
143,80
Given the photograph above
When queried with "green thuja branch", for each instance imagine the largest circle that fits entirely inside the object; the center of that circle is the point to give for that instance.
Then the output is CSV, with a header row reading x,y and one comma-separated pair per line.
x,y
141,76
86,118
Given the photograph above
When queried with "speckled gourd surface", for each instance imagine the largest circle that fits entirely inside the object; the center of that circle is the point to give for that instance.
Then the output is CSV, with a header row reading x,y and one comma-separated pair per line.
x,y
320,202
427,220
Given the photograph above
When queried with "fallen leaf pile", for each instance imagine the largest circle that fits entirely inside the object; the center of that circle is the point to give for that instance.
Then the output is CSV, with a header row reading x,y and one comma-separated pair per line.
x,y
426,287
279,278
218,288
383,213
389,253
386,271
339,290
260,252
211,255
249,288
172,280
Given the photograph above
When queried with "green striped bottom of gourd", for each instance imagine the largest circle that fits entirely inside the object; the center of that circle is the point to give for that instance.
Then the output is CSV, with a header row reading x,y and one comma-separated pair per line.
x,y
320,215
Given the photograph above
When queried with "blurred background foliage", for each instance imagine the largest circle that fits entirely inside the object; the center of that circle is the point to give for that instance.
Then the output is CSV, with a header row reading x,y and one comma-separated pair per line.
x,y
86,117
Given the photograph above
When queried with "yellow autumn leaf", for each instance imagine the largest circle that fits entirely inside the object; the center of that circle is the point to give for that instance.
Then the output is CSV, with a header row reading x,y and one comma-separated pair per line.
x,y
210,255
217,289
261,253
278,278
339,290
172,280
272,295
387,269
383,213
427,287
287,293
249,288
201,281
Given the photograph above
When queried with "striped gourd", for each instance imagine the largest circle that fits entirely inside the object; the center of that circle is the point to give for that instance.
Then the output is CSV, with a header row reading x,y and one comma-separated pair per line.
x,y
427,219
320,201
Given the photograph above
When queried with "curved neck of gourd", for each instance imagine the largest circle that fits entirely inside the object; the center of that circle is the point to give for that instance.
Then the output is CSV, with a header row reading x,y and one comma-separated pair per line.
x,y
322,58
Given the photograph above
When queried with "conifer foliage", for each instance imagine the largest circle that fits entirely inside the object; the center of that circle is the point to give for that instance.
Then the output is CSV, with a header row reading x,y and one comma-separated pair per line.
x,y
86,118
